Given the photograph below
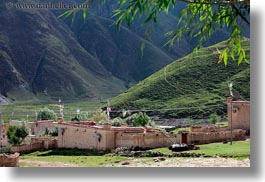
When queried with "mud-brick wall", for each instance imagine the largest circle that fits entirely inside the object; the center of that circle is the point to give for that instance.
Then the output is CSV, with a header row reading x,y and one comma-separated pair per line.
x,y
209,128
144,140
11,160
211,137
85,138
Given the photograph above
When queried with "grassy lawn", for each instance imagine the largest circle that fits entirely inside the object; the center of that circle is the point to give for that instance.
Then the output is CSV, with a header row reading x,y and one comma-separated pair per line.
x,y
223,123
180,129
80,158
239,149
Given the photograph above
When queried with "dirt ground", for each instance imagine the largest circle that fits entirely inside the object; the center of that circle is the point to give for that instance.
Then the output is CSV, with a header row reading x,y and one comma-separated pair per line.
x,y
153,162
191,162
34,163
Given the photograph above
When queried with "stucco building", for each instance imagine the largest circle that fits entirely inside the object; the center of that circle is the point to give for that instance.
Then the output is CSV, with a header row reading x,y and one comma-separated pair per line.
x,y
238,113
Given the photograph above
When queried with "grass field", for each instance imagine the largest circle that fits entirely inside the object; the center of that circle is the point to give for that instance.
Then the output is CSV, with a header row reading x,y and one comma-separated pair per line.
x,y
238,149
82,158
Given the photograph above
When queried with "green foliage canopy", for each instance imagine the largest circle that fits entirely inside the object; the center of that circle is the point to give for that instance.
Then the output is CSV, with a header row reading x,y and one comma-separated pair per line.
x,y
47,114
17,134
214,118
141,119
99,115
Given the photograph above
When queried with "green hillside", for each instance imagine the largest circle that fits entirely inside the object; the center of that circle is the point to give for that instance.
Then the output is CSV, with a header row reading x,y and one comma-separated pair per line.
x,y
193,81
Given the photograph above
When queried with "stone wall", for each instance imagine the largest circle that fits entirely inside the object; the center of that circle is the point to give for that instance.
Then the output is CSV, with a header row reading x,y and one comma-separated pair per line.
x,y
11,160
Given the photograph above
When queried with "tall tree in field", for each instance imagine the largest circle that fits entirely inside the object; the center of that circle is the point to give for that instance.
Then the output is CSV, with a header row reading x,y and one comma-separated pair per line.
x,y
199,18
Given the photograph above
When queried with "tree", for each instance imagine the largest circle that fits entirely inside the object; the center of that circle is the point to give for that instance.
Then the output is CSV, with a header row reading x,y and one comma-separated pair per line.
x,y
200,18
100,115
117,121
77,117
214,118
17,134
141,119
47,114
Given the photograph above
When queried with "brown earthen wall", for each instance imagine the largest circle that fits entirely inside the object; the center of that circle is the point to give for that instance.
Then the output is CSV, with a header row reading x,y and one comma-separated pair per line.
x,y
210,137
144,140
85,138
11,160
210,128
37,144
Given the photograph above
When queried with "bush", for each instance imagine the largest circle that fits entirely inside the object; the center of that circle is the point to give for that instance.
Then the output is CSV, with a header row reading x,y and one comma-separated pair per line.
x,y
141,119
214,118
100,115
47,114
54,131
129,119
5,150
77,118
17,134
117,122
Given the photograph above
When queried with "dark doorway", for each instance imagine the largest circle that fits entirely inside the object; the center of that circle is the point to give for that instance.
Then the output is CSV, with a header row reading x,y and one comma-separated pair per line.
x,y
184,138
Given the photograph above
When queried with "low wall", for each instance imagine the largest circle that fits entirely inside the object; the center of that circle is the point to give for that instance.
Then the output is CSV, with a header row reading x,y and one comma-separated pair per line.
x,y
37,144
211,137
11,160
144,140
208,128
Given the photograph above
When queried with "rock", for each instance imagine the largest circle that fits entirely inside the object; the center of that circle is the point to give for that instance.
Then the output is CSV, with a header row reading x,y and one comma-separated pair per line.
x,y
162,158
156,160
125,163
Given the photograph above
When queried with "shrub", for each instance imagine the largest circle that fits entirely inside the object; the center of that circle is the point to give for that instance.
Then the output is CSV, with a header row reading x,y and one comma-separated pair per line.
x,y
214,118
129,119
141,119
6,150
77,118
117,122
54,131
47,114
100,115
17,134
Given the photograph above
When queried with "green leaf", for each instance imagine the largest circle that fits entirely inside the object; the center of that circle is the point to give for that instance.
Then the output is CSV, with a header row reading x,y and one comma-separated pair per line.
x,y
84,13
224,56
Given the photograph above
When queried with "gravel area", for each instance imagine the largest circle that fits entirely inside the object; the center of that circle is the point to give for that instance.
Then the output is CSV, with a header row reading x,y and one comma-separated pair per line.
x,y
182,162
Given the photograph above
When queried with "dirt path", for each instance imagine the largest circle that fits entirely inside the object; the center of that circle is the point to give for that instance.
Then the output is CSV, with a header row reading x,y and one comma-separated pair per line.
x,y
34,163
152,162
181,162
